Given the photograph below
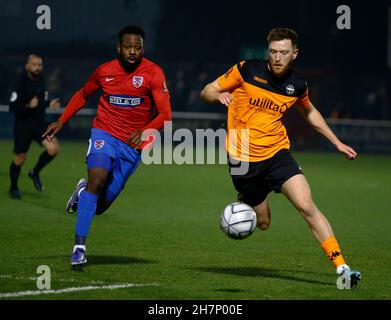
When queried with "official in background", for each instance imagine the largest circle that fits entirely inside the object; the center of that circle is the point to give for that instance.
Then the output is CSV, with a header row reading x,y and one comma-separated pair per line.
x,y
28,102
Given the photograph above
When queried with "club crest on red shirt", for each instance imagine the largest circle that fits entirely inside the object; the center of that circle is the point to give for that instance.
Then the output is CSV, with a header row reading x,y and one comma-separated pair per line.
x,y
99,144
138,81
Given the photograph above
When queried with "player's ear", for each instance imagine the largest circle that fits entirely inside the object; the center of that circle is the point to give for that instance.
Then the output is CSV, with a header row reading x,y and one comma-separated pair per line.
x,y
295,53
118,48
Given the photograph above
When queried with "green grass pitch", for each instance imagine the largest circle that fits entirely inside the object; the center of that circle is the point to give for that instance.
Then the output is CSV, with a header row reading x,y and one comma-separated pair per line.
x,y
164,230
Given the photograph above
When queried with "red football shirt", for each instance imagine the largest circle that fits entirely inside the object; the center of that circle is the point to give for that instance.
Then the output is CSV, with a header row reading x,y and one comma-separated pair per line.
x,y
127,101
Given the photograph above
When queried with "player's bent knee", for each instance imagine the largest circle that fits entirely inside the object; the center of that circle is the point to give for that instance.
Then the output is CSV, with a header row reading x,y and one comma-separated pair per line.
x,y
96,180
263,217
263,225
96,184
95,188
20,159
51,148
52,152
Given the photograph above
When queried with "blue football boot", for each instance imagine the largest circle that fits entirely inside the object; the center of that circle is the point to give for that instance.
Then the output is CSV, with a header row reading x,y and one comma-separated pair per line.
x,y
78,258
74,199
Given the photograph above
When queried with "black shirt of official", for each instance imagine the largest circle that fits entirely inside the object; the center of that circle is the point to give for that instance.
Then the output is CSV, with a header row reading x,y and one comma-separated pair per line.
x,y
26,88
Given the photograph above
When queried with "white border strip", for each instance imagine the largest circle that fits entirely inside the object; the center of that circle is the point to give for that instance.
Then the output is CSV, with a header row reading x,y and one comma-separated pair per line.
x,y
72,289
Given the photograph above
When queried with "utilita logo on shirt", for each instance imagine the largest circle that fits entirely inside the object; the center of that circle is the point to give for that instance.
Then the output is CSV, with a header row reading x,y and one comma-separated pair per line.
x,y
266,104
125,101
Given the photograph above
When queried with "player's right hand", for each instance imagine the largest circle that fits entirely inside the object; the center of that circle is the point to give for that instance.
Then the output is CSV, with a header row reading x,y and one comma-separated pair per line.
x,y
348,151
225,98
51,130
34,102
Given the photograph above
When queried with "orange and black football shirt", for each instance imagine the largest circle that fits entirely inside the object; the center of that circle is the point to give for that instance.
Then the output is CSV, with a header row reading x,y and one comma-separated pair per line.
x,y
255,131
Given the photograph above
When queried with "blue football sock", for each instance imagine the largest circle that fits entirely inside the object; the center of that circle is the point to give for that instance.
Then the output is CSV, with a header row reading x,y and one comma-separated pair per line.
x,y
86,208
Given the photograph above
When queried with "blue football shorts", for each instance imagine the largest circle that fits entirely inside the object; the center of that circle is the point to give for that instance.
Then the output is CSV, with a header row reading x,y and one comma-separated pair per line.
x,y
115,156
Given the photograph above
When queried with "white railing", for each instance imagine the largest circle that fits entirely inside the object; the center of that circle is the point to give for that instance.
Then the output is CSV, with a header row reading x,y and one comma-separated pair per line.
x,y
367,135
222,116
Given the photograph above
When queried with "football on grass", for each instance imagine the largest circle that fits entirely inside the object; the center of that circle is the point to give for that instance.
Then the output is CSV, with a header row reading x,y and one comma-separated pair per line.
x,y
238,220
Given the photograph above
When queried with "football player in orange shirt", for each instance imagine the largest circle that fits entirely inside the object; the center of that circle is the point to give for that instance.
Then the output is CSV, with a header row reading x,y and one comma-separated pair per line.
x,y
257,94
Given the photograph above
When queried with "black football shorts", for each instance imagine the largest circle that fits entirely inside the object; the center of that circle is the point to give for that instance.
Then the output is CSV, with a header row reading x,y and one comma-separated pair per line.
x,y
265,176
25,134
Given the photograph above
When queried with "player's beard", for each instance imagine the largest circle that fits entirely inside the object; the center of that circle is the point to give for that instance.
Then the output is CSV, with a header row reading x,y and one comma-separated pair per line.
x,y
279,72
129,67
34,74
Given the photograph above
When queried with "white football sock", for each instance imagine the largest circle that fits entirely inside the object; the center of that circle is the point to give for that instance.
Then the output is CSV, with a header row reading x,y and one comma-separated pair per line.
x,y
79,246
341,268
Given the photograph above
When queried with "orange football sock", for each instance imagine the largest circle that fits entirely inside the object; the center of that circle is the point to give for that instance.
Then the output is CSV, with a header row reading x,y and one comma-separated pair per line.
x,y
332,250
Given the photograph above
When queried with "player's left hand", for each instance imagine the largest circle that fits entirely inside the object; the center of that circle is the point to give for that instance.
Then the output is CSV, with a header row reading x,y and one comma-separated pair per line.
x,y
348,151
51,130
135,139
55,103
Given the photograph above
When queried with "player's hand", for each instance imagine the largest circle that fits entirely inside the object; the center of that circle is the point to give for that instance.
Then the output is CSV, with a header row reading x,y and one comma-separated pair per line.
x,y
55,103
225,98
33,102
135,139
51,130
347,151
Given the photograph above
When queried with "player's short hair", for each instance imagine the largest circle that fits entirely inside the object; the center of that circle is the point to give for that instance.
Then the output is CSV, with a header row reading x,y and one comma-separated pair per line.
x,y
278,34
132,29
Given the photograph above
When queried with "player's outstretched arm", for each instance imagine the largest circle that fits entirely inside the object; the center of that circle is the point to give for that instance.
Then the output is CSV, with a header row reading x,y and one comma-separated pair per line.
x,y
313,116
77,102
212,93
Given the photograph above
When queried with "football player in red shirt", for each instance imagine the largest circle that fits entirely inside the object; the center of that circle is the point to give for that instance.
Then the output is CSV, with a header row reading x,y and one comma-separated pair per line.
x,y
132,86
